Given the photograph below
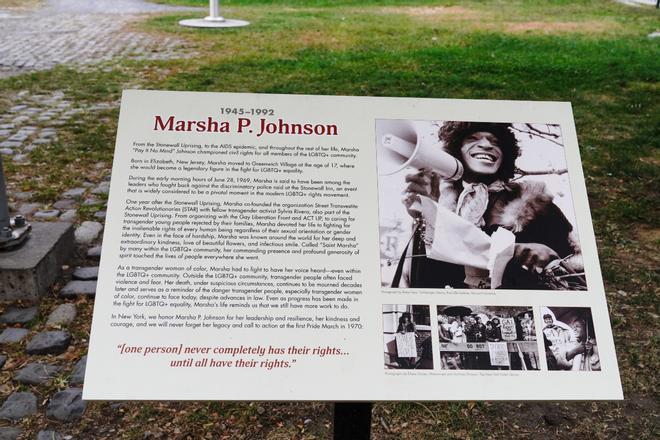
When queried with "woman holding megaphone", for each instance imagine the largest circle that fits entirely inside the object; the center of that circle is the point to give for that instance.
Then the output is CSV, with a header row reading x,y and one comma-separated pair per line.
x,y
483,230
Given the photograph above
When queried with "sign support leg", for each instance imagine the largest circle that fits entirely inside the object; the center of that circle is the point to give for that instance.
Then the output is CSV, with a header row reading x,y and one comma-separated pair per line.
x,y
352,421
214,19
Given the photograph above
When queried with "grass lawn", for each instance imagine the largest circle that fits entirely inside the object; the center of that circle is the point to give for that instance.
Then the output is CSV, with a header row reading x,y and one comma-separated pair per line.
x,y
594,53
19,4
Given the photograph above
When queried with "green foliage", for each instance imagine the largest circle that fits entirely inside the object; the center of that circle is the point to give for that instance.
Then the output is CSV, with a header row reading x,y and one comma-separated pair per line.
x,y
342,3
611,80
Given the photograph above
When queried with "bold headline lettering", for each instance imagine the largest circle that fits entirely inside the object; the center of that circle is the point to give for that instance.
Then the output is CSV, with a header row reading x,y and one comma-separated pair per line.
x,y
244,125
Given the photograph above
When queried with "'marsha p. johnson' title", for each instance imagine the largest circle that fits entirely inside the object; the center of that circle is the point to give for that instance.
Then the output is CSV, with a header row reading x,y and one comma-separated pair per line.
x,y
243,125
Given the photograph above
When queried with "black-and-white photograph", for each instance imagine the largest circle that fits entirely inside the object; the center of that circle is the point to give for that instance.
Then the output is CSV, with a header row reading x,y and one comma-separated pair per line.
x,y
487,338
407,337
476,205
569,339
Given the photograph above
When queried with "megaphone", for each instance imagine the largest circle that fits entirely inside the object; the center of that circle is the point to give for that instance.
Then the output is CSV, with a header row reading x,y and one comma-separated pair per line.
x,y
403,144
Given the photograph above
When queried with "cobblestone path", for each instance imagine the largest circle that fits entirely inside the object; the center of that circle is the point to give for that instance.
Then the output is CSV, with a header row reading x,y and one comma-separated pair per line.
x,y
47,356
79,32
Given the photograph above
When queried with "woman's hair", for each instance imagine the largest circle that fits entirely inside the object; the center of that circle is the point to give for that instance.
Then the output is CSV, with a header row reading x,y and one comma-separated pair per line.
x,y
453,133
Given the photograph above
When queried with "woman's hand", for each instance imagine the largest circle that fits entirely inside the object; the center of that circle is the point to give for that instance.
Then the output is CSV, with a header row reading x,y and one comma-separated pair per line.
x,y
533,256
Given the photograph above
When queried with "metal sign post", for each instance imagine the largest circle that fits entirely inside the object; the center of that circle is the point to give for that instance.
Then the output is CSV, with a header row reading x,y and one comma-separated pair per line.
x,y
13,231
214,19
31,256
352,421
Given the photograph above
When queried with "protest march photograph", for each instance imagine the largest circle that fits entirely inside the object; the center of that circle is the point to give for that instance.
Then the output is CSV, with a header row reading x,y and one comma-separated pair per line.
x,y
487,338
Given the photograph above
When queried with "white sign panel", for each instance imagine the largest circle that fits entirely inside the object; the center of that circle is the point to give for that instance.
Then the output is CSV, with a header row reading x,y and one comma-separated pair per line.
x,y
255,244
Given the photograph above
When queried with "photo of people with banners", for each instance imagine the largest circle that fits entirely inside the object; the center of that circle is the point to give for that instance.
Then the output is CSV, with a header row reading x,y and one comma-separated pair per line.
x,y
569,339
480,205
407,337
487,338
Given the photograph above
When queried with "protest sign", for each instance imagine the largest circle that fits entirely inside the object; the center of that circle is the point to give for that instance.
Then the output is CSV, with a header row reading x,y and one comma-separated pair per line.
x,y
509,329
499,354
405,345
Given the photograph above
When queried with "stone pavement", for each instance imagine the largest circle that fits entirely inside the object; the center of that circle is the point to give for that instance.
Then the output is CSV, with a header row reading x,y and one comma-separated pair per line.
x,y
42,347
34,120
40,344
40,350
79,32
